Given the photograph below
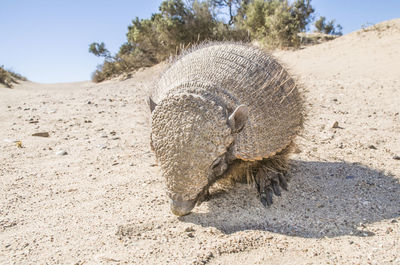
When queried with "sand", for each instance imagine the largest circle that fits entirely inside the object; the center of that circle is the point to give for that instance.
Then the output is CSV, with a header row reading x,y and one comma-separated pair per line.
x,y
92,193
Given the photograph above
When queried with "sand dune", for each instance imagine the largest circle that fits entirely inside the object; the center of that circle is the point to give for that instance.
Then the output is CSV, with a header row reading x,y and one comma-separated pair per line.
x,y
103,201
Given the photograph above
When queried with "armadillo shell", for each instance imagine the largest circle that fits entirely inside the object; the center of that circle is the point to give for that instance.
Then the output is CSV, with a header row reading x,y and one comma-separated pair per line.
x,y
242,74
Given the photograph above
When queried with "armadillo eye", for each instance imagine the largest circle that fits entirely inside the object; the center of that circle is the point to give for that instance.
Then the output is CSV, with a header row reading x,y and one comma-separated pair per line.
x,y
216,163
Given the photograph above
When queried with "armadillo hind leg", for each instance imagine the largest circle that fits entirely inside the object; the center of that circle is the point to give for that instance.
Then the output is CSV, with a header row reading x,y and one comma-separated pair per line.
x,y
268,182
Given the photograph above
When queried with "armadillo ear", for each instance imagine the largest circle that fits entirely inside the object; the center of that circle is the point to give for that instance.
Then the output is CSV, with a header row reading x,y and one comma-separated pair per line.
x,y
238,118
152,104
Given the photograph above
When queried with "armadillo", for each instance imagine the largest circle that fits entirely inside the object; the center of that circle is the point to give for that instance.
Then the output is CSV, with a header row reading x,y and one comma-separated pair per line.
x,y
224,111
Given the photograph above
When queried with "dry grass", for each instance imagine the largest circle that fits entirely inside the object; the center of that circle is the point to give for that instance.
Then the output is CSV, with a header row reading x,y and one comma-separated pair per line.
x,y
8,78
307,39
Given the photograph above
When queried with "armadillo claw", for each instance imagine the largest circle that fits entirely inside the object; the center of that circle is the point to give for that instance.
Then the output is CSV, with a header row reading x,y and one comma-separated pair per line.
x,y
269,193
283,181
275,187
269,183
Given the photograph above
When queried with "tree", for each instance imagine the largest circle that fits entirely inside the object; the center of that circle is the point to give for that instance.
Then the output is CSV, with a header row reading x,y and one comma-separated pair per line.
x,y
302,11
323,26
235,7
181,23
99,49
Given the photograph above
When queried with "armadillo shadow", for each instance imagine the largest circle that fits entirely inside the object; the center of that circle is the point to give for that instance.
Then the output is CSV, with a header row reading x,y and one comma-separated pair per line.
x,y
324,199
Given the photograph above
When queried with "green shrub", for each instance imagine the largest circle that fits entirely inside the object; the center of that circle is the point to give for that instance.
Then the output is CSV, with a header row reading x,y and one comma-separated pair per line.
x,y
277,23
176,26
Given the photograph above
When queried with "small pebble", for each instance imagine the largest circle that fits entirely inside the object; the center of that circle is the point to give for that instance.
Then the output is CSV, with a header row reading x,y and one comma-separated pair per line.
x,y
349,177
189,229
372,147
41,134
61,153
396,157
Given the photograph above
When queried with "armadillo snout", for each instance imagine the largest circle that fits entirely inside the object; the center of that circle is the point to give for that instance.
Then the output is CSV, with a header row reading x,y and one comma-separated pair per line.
x,y
181,208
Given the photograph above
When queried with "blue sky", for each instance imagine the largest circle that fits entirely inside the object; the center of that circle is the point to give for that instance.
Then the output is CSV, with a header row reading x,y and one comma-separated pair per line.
x,y
47,41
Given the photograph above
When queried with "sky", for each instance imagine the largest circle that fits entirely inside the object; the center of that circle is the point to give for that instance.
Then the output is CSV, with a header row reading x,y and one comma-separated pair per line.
x,y
47,40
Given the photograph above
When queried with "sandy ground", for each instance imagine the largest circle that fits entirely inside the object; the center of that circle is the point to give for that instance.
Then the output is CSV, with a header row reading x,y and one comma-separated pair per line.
x,y
104,201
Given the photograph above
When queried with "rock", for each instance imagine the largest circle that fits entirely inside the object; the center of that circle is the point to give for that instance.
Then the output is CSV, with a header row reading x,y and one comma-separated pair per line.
x,y
335,125
372,147
349,177
396,157
41,134
61,153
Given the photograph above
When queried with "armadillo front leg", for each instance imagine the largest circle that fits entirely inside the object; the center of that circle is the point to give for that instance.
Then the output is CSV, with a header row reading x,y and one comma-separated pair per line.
x,y
268,182
204,197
